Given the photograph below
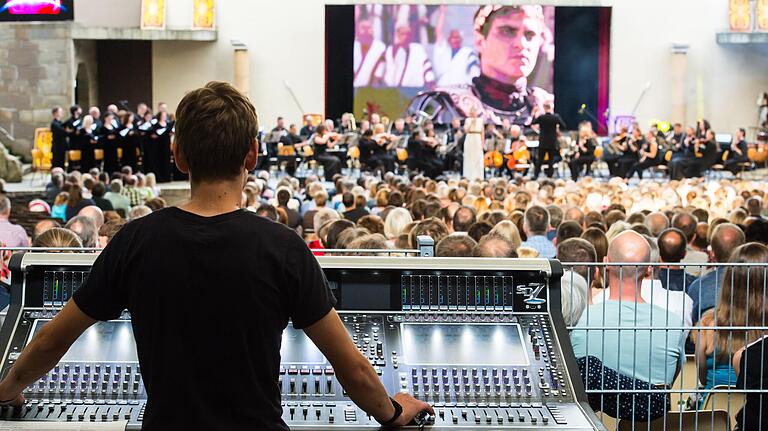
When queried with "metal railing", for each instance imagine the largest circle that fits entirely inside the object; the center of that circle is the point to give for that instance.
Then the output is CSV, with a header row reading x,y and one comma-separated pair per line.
x,y
656,345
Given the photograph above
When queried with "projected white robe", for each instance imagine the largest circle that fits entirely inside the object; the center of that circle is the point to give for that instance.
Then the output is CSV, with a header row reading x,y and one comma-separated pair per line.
x,y
458,69
369,67
408,67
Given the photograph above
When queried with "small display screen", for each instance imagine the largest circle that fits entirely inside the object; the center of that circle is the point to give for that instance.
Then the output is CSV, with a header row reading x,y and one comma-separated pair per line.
x,y
36,10
102,342
297,348
462,344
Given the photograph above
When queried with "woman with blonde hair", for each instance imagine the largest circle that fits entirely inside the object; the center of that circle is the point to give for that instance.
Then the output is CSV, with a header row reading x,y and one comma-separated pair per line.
x,y
58,238
396,221
508,230
741,303
481,205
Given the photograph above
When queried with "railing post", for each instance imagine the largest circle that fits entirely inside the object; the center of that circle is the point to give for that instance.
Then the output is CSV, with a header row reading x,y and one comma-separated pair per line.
x,y
426,246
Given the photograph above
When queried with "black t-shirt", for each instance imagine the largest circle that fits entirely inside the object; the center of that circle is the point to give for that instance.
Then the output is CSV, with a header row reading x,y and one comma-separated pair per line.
x,y
209,298
548,128
754,375
355,214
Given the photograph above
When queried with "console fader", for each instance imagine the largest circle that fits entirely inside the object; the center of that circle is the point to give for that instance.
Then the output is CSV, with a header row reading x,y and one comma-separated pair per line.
x,y
482,340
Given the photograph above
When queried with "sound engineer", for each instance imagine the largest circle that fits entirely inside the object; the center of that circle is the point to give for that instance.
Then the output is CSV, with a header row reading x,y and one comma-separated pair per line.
x,y
210,288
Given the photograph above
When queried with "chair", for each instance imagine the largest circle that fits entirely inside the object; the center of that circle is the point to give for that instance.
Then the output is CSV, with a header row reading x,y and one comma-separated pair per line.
x,y
730,402
73,159
689,420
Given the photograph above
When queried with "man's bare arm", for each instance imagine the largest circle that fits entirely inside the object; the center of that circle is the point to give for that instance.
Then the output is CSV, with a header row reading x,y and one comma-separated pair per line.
x,y
356,374
44,351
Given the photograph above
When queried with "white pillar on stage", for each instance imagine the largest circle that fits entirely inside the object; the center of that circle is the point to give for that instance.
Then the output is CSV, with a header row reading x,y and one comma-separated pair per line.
x,y
678,71
242,67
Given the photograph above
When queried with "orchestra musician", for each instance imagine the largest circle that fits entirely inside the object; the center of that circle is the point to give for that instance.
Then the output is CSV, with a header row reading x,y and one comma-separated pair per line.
x,y
381,152
108,137
706,151
738,152
85,141
517,151
130,142
292,139
584,153
682,152
612,152
650,155
629,152
322,140
429,162
454,154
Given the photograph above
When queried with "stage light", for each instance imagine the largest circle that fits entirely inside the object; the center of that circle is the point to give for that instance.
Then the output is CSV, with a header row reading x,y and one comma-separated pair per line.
x,y
153,15
203,16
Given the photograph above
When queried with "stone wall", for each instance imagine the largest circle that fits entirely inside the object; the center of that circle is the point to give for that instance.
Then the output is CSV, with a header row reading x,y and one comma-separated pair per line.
x,y
36,73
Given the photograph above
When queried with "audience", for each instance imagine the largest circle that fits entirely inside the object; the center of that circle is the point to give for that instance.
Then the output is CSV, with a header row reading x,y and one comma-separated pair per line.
x,y
672,250
11,235
58,238
535,227
456,246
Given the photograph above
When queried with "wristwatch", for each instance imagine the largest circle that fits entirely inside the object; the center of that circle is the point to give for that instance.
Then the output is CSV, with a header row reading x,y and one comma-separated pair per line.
x,y
398,412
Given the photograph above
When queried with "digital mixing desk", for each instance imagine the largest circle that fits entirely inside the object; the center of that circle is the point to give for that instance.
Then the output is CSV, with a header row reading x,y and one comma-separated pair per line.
x,y
482,340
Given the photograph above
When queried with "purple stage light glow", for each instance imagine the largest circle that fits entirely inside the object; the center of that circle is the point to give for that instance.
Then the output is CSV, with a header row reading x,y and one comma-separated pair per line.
x,y
33,7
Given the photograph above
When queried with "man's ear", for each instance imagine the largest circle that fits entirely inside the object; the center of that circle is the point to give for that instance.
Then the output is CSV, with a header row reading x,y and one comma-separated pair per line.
x,y
479,43
253,155
181,162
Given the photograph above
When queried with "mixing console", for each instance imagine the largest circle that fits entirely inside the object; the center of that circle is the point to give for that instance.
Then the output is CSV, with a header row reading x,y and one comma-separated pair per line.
x,y
484,345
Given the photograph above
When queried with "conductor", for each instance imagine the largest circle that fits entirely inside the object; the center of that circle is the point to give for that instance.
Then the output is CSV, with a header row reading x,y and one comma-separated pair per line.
x,y
548,123
243,275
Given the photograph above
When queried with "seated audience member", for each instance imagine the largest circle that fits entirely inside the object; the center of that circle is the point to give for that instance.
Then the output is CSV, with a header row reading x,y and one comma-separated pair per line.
x,y
138,212
455,246
54,187
373,241
573,297
283,197
741,302
98,192
373,223
319,199
109,230
349,235
750,364
575,250
117,199
656,222
495,245
508,230
672,249
156,204
527,252
535,227
696,259
555,218
322,219
705,290
94,213
86,229
566,230
432,227
757,231
335,229
652,356
59,208
42,226
463,219
267,211
478,230
641,229
395,222
575,214
355,207
11,235
134,195
58,238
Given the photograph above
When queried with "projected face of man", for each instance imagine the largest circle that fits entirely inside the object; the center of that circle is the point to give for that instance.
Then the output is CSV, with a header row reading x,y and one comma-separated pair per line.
x,y
365,32
455,39
403,35
511,47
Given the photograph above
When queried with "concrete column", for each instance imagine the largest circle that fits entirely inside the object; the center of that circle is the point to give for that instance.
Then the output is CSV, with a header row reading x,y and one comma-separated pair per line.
x,y
242,67
678,73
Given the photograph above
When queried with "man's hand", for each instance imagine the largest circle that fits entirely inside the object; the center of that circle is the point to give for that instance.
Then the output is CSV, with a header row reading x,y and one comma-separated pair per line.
x,y
411,407
10,399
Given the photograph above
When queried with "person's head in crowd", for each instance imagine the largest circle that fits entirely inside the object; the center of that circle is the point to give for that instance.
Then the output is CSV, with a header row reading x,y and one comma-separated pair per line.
x,y
725,238
481,204
42,226
717,221
632,248
58,237
109,230
349,235
574,250
95,213
395,199
536,221
373,241
463,219
495,245
593,217
347,199
757,231
432,209
701,242
418,209
641,229
335,229
701,214
75,195
282,215
493,217
613,216
373,223
432,227
737,216
156,204
267,211
636,218
138,212
686,222
116,186
574,294
656,223
86,229
322,217
396,221
617,228
99,190
672,245
742,300
111,216
479,230
575,214
527,253
568,229
654,247
555,216
455,246
508,230
755,206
